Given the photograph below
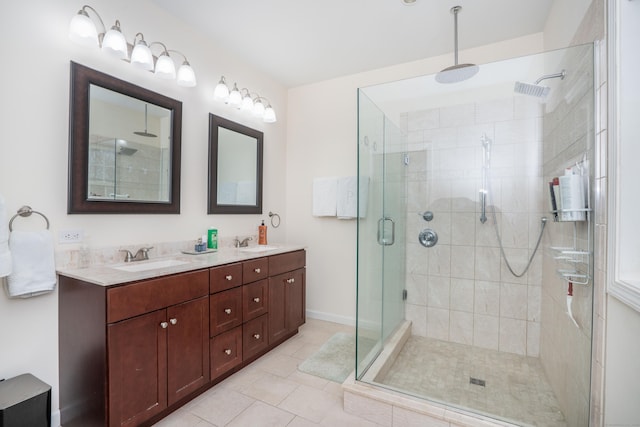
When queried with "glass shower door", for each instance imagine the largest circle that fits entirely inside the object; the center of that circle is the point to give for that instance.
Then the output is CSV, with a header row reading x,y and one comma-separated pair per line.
x,y
381,232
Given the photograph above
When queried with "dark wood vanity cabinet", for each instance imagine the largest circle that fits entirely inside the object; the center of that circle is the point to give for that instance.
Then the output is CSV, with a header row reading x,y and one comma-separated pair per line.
x,y
131,353
142,347
286,295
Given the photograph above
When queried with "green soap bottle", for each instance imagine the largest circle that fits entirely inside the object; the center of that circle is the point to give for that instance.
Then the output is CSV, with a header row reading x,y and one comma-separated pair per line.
x,y
212,238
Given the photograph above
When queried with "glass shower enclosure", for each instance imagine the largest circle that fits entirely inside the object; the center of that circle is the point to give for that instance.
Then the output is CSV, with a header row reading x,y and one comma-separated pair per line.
x,y
474,284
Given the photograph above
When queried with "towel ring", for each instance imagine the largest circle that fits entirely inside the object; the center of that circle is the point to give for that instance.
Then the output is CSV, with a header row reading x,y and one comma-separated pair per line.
x,y
24,212
272,216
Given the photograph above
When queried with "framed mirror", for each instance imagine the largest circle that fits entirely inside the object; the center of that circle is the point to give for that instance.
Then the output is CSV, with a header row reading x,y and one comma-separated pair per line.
x,y
235,168
124,147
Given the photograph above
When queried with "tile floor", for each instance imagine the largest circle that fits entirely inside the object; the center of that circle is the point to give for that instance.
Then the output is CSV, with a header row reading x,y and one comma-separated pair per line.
x,y
272,392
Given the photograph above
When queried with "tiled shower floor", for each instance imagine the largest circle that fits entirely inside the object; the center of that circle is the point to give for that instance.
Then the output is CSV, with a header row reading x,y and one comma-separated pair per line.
x,y
515,388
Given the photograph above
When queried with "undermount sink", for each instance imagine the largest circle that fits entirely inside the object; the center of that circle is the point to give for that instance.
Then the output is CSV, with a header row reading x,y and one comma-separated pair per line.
x,y
259,248
144,266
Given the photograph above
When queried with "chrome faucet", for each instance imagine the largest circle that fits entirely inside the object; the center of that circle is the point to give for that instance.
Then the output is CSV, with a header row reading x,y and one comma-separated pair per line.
x,y
141,255
242,243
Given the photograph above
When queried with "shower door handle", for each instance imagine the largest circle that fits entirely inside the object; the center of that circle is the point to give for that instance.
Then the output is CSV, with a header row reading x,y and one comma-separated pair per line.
x,y
383,239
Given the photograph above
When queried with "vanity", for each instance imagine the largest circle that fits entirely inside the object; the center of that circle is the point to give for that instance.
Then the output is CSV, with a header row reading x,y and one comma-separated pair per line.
x,y
136,344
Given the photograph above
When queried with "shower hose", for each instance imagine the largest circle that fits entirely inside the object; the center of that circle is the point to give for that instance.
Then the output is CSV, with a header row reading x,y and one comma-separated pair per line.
x,y
495,226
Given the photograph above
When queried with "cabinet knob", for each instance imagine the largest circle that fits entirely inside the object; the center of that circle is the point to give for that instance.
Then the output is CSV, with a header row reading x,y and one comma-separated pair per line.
x,y
227,351
256,336
173,321
292,280
227,310
257,270
256,299
229,277
164,325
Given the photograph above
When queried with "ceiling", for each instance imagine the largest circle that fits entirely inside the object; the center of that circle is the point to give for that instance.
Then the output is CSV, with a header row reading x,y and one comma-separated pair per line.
x,y
299,42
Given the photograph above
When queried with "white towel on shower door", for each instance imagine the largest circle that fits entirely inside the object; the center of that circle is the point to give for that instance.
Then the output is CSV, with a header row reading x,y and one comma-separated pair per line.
x,y
6,263
34,270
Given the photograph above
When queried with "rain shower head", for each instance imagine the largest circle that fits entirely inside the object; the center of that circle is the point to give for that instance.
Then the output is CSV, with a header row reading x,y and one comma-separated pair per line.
x,y
127,151
535,89
457,72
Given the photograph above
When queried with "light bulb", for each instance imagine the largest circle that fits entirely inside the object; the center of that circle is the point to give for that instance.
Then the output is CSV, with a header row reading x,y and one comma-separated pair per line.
x,y
247,103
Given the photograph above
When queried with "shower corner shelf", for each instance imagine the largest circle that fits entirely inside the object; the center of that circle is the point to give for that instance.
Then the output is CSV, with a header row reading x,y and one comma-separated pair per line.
x,y
579,260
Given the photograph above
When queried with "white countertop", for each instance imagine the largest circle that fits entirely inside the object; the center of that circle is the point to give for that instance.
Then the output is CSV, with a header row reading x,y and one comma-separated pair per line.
x,y
107,275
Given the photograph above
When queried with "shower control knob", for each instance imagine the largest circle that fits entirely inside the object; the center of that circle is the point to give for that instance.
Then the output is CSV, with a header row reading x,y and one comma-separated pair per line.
x,y
427,215
428,238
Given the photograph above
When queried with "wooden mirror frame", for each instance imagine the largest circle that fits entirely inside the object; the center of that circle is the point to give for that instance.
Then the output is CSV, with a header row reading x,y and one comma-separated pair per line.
x,y
77,200
212,206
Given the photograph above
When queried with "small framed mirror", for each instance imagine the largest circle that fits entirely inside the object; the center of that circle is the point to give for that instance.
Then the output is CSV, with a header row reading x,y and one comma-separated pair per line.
x,y
235,168
124,148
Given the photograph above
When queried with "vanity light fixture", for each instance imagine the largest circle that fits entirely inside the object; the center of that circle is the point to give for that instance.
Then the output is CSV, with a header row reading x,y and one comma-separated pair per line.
x,y
82,30
244,100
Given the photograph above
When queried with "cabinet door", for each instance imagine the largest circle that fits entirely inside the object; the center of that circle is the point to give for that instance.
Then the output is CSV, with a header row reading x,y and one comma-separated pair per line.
x,y
187,348
295,300
286,304
137,368
277,314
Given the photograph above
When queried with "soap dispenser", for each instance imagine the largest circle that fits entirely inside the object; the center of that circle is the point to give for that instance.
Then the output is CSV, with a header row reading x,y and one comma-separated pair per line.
x,y
262,234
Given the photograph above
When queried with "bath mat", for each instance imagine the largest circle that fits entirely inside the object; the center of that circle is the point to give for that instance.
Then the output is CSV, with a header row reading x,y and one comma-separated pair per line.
x,y
335,360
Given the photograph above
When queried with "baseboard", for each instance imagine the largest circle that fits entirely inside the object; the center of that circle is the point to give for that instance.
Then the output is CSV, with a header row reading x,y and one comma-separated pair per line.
x,y
55,418
330,317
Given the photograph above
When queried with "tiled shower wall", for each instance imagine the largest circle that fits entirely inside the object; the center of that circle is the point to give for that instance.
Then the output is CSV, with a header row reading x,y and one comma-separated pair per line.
x,y
565,350
461,290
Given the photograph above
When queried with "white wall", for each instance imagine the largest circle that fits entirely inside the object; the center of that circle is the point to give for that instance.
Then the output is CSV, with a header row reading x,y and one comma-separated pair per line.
x,y
322,141
34,105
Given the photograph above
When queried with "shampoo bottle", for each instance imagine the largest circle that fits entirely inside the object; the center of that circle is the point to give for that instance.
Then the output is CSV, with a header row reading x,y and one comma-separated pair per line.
x,y
262,234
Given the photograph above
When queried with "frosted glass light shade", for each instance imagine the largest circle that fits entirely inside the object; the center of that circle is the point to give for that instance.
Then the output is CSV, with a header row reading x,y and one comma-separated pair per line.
x,y
269,115
221,92
165,68
258,108
247,103
186,75
82,30
114,43
141,56
235,97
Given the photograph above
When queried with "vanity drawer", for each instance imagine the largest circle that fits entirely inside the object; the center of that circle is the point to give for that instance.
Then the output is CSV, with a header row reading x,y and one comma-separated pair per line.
x,y
225,311
255,299
255,336
286,262
225,277
226,352
255,270
134,299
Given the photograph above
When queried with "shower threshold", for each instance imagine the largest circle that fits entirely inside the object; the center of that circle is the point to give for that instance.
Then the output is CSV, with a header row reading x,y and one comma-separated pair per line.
x,y
395,384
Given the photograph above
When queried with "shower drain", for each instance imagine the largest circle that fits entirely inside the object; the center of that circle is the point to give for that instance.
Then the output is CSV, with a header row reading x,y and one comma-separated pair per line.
x,y
477,381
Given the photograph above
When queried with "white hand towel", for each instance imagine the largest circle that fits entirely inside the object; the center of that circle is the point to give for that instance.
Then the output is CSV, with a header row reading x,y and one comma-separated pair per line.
x,y
5,255
324,196
34,269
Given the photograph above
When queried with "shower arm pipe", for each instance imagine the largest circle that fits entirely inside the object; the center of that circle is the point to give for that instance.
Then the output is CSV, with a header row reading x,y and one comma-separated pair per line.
x,y
455,11
561,74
